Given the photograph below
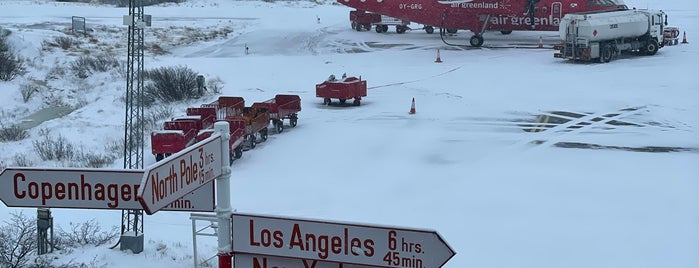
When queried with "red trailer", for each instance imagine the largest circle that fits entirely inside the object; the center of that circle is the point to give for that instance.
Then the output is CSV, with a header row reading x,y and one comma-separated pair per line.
x,y
360,19
237,131
256,120
344,89
183,131
282,107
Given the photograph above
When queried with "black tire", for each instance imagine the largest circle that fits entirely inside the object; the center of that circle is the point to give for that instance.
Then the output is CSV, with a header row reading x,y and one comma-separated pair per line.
x,y
342,101
605,53
379,29
429,29
354,25
384,28
357,102
476,40
279,126
326,101
367,26
358,27
263,134
400,29
651,47
293,122
159,157
238,152
252,141
452,31
506,32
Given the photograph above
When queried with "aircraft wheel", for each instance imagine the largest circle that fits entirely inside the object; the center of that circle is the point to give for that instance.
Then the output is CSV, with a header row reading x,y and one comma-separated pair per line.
x,y
476,40
452,31
651,47
429,29
506,32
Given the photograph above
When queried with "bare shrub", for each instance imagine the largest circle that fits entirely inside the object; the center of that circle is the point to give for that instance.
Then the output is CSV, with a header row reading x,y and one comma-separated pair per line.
x,y
86,233
157,50
12,133
17,240
170,84
155,115
93,160
21,160
11,64
57,148
56,72
65,42
115,147
28,90
85,66
215,85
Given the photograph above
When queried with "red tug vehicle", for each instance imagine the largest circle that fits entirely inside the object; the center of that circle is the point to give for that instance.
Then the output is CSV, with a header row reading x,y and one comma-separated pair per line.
x,y
282,107
347,88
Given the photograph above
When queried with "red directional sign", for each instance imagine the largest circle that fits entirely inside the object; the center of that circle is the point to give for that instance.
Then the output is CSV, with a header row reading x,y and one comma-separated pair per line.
x,y
183,172
346,243
255,261
86,188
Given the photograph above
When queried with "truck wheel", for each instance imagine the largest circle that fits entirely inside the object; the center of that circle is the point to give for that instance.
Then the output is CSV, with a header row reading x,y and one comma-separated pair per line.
x,y
158,157
429,29
606,53
326,101
651,47
476,40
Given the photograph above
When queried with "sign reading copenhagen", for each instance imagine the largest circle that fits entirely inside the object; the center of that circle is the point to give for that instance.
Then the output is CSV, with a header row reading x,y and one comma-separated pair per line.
x,y
86,188
347,243
183,172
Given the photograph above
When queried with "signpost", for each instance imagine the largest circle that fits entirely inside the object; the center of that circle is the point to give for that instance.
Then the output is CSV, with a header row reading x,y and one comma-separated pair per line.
x,y
86,188
346,243
256,261
181,173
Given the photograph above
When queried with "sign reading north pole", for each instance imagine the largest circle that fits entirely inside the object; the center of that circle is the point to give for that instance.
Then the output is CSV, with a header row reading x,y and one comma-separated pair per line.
x,y
347,243
180,174
255,261
87,188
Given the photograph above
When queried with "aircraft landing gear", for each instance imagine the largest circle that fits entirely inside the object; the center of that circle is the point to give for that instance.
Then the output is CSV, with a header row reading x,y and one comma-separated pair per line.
x,y
476,40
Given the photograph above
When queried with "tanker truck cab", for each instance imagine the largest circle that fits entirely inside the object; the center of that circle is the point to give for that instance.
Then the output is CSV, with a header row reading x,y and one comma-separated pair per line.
x,y
601,36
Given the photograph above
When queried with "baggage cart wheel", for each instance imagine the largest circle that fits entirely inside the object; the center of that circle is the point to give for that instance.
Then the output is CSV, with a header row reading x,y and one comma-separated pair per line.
x,y
326,101
293,122
342,101
238,152
263,134
158,157
357,102
385,28
279,126
252,141
379,29
429,29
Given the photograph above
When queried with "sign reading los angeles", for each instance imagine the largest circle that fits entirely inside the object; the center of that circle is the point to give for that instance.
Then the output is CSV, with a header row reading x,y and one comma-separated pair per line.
x,y
86,188
347,243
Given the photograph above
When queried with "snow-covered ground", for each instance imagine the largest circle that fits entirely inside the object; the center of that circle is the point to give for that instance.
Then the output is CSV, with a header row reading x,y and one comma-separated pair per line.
x,y
618,192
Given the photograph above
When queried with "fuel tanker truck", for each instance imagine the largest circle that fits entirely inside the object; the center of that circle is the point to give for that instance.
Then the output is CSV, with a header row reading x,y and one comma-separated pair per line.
x,y
603,35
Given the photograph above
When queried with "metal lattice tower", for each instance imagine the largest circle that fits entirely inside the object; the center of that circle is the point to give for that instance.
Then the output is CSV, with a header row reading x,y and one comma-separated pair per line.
x,y
132,220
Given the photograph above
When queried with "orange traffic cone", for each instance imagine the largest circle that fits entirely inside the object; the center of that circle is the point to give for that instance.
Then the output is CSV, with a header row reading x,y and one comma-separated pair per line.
x,y
541,43
439,59
684,38
412,106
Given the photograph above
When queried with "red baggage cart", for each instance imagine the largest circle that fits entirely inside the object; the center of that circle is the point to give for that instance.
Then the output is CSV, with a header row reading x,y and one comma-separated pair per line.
x,y
282,107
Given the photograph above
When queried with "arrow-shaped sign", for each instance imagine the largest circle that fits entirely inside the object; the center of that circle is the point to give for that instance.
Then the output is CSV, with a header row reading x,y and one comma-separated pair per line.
x,y
348,243
180,174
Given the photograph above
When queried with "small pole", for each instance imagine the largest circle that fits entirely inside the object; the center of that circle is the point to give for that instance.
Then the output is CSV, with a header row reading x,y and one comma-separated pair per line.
x,y
223,196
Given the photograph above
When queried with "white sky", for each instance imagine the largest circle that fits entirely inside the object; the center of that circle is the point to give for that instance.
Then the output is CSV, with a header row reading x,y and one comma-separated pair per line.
x,y
460,166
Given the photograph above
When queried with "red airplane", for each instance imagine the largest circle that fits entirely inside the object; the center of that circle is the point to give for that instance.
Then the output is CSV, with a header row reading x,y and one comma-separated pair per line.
x,y
477,16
